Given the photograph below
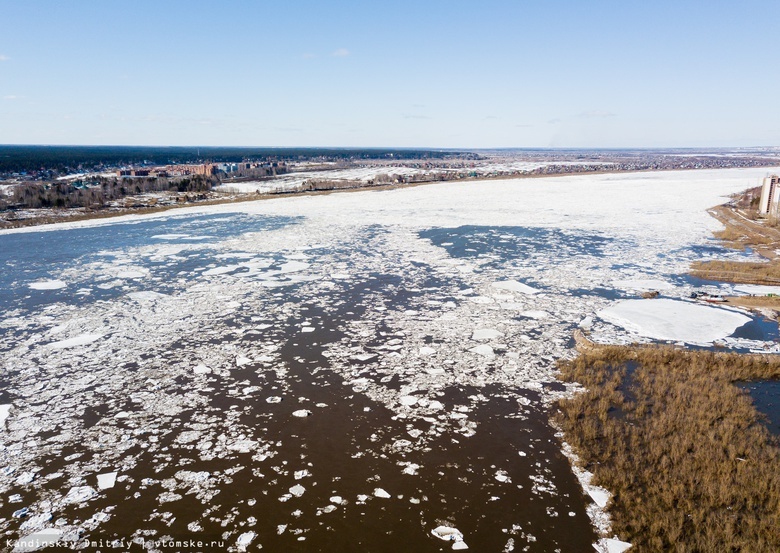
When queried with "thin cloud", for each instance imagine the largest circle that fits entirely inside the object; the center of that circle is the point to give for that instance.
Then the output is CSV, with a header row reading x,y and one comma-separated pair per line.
x,y
596,113
410,116
12,97
523,126
4,58
308,56
341,53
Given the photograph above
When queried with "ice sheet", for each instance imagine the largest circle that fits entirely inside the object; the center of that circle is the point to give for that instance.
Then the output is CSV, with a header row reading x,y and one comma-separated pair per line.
x,y
667,319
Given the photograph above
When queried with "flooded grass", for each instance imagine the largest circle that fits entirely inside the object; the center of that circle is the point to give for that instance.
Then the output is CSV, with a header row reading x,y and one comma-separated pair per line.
x,y
679,445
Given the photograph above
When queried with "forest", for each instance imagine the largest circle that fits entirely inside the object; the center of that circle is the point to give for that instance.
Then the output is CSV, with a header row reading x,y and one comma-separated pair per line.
x,y
63,159
97,194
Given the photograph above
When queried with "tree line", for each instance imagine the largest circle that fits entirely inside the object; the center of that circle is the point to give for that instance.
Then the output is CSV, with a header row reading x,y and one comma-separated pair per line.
x,y
100,191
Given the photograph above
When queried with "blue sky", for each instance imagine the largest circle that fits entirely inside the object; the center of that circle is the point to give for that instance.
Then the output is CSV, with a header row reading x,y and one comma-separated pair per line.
x,y
432,73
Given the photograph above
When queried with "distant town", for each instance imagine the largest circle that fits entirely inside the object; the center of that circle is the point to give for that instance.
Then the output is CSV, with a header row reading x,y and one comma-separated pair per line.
x,y
40,184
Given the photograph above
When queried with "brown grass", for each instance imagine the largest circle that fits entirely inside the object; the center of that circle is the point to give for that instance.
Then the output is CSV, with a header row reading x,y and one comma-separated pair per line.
x,y
741,230
737,271
680,447
770,302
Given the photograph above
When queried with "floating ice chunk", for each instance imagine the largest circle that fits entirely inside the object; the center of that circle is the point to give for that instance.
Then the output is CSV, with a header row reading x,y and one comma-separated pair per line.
x,y
5,410
514,286
47,285
45,538
281,528
82,340
502,476
435,371
273,399
328,509
610,545
337,499
130,274
220,270
201,369
242,360
586,323
407,401
364,356
483,350
25,478
188,436
146,296
666,319
486,334
379,492
301,474
297,490
641,284
425,350
599,495
411,469
534,314
448,533
244,540
302,413
243,446
79,494
36,521
106,480
293,267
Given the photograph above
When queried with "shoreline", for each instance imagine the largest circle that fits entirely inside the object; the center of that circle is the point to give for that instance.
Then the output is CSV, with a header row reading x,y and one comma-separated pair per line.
x,y
680,448
110,213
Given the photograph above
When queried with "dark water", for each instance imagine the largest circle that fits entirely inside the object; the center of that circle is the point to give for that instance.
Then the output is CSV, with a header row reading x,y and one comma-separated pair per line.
x,y
766,398
346,444
759,328
35,256
509,243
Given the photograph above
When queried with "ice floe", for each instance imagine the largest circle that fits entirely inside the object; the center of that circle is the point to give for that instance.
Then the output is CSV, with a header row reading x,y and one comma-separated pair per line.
x,y
36,541
5,410
106,480
486,334
611,545
515,286
47,285
450,534
667,319
82,340
79,494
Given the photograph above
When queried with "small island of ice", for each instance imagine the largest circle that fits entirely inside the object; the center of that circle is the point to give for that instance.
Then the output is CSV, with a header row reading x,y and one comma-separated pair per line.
x,y
666,319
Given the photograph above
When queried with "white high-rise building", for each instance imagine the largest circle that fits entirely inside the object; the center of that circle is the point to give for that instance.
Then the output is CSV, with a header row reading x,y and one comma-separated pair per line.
x,y
770,196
